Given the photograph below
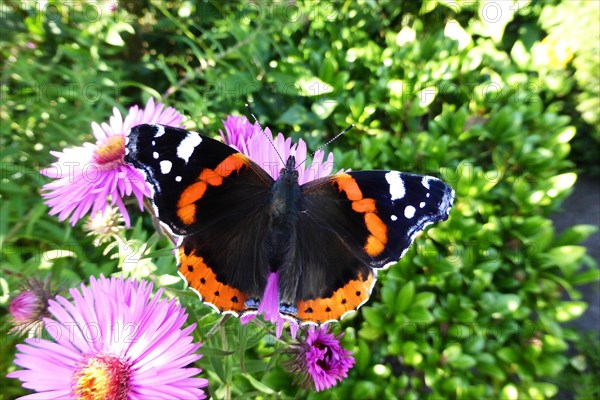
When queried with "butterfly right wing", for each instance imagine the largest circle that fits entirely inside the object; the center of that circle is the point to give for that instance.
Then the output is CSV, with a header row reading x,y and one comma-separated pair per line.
x,y
353,224
214,197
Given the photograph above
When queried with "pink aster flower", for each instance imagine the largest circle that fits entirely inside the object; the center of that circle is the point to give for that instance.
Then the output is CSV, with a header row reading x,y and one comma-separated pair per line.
x,y
263,149
113,341
251,141
95,175
319,359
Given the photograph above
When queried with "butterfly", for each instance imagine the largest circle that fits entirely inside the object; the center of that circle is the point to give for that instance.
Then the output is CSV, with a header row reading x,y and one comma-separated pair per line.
x,y
326,238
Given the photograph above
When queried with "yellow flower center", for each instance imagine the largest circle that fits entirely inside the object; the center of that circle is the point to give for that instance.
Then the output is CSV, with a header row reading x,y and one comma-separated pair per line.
x,y
102,376
110,152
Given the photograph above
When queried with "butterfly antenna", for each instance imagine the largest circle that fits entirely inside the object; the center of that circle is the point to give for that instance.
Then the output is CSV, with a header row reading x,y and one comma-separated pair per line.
x,y
264,133
323,146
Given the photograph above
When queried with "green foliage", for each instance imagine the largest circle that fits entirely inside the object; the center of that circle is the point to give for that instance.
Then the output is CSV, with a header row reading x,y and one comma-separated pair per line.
x,y
476,308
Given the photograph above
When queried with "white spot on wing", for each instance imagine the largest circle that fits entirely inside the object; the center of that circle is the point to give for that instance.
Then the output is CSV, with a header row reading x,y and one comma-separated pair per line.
x,y
425,181
187,146
393,217
160,130
422,204
397,190
155,155
165,166
178,178
409,212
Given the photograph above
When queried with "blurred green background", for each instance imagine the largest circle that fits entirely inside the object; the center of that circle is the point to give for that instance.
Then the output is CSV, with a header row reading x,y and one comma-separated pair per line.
x,y
498,98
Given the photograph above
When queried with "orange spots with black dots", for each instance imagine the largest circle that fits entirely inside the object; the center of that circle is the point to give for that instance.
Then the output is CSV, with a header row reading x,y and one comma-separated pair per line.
x,y
348,298
202,278
378,238
186,209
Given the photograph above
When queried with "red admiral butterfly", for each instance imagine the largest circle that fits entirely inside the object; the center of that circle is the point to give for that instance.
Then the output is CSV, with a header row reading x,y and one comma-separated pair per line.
x,y
326,238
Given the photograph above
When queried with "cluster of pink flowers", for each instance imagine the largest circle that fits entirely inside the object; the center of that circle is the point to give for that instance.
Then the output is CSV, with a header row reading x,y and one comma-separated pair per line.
x,y
113,339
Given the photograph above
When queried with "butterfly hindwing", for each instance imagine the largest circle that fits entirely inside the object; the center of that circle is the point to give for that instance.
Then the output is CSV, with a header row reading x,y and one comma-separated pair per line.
x,y
214,197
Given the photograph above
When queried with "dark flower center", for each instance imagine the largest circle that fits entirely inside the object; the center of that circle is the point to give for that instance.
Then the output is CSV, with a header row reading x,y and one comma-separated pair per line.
x,y
323,362
102,376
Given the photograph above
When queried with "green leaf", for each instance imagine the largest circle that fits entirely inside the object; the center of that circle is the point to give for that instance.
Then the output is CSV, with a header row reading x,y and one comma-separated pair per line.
x,y
591,275
463,361
324,107
508,354
424,299
311,86
405,297
565,256
575,235
373,316
258,385
492,370
569,310
419,314
295,115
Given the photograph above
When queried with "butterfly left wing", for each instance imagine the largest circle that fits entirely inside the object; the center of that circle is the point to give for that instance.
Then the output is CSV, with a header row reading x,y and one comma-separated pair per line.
x,y
214,198
355,223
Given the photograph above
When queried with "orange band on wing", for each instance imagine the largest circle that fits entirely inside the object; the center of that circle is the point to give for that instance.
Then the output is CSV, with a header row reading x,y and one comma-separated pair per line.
x,y
374,247
377,239
234,162
202,278
210,177
192,193
186,209
347,184
351,296
364,206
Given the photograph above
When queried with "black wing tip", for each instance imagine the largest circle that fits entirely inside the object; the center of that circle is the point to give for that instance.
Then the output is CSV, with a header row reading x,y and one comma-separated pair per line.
x,y
446,203
133,139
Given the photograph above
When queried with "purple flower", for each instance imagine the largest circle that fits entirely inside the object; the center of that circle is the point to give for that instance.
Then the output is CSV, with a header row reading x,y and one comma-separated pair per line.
x,y
113,341
251,141
319,359
31,305
95,176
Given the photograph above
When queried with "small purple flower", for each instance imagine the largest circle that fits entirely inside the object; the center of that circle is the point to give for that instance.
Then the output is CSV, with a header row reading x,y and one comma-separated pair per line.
x,y
251,141
30,306
319,359
95,176
113,341
23,306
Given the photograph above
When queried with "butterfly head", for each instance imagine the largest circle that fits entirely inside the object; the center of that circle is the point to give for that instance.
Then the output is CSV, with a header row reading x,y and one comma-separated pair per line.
x,y
289,173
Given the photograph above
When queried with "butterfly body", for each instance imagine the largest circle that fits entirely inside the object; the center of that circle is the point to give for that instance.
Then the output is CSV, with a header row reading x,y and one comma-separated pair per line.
x,y
325,239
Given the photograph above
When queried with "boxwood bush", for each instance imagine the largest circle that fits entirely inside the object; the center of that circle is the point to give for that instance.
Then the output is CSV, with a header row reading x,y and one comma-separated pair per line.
x,y
482,94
